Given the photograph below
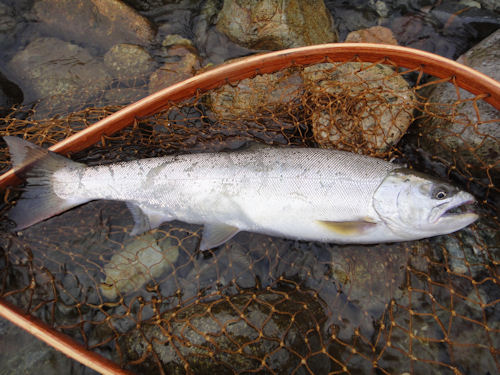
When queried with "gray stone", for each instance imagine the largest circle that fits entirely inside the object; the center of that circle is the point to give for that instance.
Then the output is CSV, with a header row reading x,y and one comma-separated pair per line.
x,y
104,22
128,61
276,24
456,132
49,67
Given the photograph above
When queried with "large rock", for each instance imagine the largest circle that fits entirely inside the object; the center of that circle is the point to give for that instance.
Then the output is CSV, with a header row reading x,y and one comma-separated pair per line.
x,y
50,67
128,61
240,331
183,64
358,107
7,24
257,96
455,132
276,24
375,34
10,94
104,22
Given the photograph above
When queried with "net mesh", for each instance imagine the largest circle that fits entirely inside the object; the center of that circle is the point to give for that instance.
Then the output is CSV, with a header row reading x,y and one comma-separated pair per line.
x,y
155,304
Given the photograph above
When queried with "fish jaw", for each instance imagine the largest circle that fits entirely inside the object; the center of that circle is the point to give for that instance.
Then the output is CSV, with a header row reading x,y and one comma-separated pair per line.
x,y
451,221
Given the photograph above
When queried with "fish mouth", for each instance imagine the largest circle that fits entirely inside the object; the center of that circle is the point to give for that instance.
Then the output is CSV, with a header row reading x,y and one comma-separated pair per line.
x,y
461,212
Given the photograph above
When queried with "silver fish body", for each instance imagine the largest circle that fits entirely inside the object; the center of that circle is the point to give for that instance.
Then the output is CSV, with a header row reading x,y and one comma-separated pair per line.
x,y
309,194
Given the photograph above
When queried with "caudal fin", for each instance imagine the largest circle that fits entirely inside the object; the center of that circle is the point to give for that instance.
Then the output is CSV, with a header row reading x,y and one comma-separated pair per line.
x,y
38,202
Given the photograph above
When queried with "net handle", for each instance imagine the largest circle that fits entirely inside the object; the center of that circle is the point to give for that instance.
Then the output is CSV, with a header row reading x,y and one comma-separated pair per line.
x,y
59,341
465,77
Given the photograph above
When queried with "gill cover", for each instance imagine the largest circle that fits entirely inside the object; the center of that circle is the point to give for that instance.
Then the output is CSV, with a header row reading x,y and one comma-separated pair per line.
x,y
414,205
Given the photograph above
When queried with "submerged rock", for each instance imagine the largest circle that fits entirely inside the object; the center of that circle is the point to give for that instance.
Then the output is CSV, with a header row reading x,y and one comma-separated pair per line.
x,y
256,97
456,132
276,24
104,23
247,331
375,34
7,24
183,64
10,94
141,260
128,61
50,67
357,107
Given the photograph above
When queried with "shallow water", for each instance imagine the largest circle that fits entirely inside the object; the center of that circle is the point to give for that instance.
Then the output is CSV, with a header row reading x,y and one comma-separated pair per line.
x,y
424,306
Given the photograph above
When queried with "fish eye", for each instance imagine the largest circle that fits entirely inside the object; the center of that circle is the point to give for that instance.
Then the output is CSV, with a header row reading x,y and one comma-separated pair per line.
x,y
440,194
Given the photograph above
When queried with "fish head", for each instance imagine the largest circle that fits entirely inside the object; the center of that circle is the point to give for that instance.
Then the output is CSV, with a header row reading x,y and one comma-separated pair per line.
x,y
415,205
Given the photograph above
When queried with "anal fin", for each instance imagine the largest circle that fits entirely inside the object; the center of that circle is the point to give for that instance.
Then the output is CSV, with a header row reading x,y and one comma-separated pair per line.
x,y
216,234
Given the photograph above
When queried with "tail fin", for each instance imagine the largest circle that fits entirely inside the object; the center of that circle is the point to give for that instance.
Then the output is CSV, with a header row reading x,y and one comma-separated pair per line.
x,y
38,202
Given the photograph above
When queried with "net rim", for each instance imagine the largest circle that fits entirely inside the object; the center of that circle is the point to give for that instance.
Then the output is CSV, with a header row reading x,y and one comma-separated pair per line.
x,y
465,77
410,58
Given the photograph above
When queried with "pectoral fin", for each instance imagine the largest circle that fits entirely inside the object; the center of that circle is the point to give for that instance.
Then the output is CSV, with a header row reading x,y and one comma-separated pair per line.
x,y
349,228
216,234
146,218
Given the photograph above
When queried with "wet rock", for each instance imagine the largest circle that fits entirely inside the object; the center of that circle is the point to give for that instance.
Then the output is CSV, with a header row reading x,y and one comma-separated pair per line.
x,y
49,67
10,94
142,259
448,29
375,34
358,108
7,23
456,133
256,96
105,22
182,63
175,39
214,46
470,249
128,61
21,353
490,4
123,95
240,330
276,24
145,5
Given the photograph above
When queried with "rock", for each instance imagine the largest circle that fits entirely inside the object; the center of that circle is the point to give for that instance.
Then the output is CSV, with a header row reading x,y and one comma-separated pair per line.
x,y
21,353
175,39
455,133
375,34
104,22
7,23
253,97
142,259
123,95
128,61
449,29
276,24
358,107
212,333
50,67
490,4
10,94
145,5
185,62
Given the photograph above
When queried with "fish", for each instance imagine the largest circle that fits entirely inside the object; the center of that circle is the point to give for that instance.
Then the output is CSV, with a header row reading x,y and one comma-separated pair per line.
x,y
296,193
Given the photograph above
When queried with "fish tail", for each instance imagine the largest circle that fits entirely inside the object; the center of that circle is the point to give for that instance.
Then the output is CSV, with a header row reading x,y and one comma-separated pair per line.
x,y
38,201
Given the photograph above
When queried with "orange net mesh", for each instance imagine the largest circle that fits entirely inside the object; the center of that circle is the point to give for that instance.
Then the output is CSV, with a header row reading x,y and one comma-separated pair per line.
x,y
154,304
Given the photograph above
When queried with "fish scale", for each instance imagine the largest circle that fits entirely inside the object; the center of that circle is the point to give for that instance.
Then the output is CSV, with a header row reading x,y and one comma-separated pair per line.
x,y
308,194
